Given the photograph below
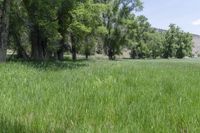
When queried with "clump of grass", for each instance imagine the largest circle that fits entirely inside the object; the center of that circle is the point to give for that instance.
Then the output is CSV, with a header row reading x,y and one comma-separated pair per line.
x,y
100,96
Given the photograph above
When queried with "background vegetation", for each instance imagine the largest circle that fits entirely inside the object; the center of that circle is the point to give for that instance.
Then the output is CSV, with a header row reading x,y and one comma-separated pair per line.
x,y
42,91
44,30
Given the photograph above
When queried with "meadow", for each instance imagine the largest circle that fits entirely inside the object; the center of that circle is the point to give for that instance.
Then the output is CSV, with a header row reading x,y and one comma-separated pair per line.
x,y
136,96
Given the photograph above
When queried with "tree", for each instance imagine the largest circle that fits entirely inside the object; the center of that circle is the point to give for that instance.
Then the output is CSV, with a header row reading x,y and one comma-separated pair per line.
x,y
64,20
88,46
18,31
140,32
184,45
79,20
177,43
82,26
155,44
4,27
44,35
114,19
171,38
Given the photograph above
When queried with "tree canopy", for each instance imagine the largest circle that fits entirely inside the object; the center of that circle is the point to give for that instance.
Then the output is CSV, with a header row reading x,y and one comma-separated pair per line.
x,y
46,29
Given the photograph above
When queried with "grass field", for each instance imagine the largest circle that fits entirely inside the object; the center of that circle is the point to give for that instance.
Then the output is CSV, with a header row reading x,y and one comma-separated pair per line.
x,y
100,96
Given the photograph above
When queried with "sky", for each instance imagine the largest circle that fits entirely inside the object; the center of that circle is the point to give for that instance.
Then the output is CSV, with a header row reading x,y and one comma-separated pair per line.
x,y
184,13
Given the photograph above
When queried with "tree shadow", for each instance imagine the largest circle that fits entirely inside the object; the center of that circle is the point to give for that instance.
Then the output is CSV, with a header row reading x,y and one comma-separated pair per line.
x,y
13,126
54,65
7,126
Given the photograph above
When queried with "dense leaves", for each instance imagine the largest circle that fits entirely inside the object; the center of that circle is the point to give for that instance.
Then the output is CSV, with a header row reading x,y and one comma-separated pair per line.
x,y
46,29
177,43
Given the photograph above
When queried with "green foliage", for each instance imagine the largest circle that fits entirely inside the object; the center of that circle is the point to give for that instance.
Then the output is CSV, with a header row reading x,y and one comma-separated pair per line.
x,y
18,29
155,44
184,45
53,26
88,46
177,43
46,21
143,40
115,20
80,19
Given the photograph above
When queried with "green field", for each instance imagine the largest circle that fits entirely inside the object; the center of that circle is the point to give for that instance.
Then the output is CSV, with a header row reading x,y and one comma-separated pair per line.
x,y
100,96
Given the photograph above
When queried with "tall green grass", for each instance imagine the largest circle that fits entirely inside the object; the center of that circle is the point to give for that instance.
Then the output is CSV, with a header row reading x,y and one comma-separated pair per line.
x,y
100,96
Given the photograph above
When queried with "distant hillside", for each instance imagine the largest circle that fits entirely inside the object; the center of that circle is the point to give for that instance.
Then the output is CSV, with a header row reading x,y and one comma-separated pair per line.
x,y
196,41
160,30
196,48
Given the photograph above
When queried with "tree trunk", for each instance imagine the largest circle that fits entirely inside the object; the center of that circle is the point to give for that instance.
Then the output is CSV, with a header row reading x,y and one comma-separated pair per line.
x,y
39,48
61,49
111,54
21,53
74,51
39,45
4,29
74,56
60,55
86,56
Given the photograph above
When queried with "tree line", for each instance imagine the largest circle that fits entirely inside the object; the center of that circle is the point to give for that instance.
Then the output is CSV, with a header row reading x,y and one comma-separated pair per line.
x,y
46,29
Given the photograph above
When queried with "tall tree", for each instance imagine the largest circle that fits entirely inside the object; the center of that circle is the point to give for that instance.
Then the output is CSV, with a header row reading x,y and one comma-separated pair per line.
x,y
64,20
18,30
117,12
44,34
140,36
4,28
155,44
177,43
184,45
79,19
